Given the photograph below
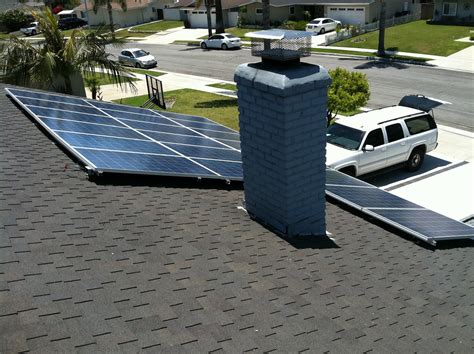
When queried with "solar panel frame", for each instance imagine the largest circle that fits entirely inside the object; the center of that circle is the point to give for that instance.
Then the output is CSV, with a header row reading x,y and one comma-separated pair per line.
x,y
102,113
380,213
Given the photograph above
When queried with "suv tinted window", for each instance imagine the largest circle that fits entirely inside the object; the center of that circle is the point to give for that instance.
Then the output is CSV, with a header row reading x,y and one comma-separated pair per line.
x,y
394,132
375,138
420,124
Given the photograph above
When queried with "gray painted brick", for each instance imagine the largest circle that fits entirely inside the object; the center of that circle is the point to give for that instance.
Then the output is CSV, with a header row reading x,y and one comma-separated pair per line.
x,y
283,145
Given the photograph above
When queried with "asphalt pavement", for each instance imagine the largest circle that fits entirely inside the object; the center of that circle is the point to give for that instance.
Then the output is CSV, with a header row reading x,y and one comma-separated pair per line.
x,y
388,81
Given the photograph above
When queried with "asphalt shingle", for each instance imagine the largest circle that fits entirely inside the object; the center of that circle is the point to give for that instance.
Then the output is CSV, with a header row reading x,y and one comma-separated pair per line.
x,y
131,264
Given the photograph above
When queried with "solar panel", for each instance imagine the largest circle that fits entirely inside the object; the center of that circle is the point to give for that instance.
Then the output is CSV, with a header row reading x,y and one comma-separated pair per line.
x,y
412,218
110,137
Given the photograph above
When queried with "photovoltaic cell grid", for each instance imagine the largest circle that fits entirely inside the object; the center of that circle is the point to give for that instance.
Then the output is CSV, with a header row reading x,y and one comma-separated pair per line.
x,y
398,212
110,137
116,138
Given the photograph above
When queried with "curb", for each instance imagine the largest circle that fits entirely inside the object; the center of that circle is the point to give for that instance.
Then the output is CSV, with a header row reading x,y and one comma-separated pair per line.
x,y
365,57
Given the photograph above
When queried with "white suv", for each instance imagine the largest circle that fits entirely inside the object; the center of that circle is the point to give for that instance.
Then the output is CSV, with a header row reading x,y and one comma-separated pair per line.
x,y
384,137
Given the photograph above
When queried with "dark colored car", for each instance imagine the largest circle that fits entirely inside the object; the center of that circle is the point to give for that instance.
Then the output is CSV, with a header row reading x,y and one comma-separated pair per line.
x,y
71,22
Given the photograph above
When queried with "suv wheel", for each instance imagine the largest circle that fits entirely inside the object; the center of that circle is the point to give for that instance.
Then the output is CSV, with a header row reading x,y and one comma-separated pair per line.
x,y
415,160
33,32
350,171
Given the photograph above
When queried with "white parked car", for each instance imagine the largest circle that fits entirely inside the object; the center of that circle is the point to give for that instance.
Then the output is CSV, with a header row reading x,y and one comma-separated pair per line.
x,y
222,41
322,25
31,30
384,137
137,57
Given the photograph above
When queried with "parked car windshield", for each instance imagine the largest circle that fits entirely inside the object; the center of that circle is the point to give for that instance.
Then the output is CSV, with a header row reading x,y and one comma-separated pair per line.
x,y
140,53
346,137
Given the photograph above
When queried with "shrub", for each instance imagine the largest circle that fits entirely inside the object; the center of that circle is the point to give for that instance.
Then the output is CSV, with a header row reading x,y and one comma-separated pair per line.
x,y
471,35
13,20
349,91
293,25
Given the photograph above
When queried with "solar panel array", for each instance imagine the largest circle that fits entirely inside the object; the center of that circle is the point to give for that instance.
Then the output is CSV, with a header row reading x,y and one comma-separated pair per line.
x,y
111,137
398,212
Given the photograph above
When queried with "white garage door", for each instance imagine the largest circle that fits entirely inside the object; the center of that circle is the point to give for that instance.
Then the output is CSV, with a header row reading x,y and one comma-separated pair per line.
x,y
198,19
347,15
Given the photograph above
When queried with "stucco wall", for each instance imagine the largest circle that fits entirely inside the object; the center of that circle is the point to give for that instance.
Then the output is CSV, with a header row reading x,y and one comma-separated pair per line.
x,y
121,18
280,14
464,11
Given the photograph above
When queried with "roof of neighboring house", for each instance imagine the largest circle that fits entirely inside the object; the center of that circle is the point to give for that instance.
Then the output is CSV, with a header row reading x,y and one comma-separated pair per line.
x,y
227,4
182,3
131,4
125,264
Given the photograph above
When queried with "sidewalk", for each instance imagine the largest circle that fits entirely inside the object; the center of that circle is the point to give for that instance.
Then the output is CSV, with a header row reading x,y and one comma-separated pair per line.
x,y
171,81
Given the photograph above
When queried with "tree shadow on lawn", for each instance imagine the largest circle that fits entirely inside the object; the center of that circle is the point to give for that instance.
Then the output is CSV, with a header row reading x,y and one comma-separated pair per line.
x,y
232,102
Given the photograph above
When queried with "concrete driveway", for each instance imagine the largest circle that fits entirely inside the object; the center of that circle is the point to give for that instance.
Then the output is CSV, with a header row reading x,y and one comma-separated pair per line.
x,y
176,34
462,60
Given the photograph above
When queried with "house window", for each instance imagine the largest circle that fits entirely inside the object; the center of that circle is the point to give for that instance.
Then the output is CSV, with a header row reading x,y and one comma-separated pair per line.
x,y
258,11
359,9
449,8
153,9
186,12
350,9
292,10
333,8
342,9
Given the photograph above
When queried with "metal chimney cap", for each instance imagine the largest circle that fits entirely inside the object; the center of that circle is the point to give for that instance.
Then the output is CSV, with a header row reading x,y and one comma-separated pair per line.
x,y
278,45
278,34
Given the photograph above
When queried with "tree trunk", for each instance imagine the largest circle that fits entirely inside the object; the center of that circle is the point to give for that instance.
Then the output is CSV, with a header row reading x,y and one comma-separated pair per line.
x,y
220,28
266,14
381,47
111,18
208,4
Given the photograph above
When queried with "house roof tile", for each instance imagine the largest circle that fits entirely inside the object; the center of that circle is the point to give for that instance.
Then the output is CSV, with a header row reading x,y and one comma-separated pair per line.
x,y
169,264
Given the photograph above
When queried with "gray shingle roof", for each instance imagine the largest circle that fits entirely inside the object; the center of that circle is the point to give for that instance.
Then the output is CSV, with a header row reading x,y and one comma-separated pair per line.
x,y
128,264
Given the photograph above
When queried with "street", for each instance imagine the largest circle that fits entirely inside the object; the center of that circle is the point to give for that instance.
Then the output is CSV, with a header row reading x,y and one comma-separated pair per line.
x,y
388,81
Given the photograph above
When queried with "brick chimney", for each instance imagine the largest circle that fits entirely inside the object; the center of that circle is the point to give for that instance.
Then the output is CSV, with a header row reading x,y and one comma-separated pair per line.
x,y
282,106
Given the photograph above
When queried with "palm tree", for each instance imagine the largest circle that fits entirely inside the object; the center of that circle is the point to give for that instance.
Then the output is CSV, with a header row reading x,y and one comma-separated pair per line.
x,y
266,14
56,63
381,46
96,4
208,4
220,28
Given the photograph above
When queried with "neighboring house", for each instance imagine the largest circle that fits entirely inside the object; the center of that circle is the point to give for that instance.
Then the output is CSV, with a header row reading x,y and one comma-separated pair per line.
x,y
138,11
197,17
16,4
347,11
454,11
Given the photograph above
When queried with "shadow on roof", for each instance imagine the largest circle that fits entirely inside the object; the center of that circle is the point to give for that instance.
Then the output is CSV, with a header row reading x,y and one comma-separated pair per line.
x,y
117,179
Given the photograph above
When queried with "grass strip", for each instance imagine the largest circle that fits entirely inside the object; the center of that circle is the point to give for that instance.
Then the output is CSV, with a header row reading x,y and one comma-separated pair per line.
x,y
218,108
224,86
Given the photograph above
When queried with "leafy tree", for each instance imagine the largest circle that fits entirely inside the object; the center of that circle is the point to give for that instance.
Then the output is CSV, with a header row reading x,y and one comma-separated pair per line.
x,y
13,20
56,63
96,4
266,14
348,92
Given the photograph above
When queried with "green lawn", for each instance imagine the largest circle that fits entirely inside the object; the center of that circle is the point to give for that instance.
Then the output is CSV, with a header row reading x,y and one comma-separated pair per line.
x,y
159,26
220,109
106,80
366,54
149,72
239,32
414,37
224,86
